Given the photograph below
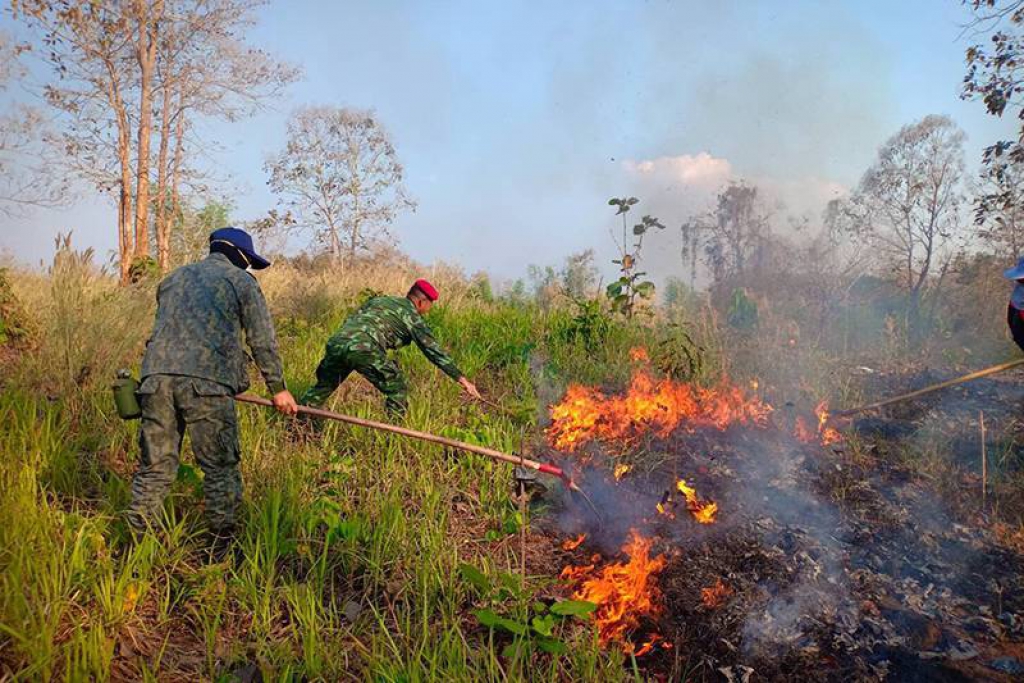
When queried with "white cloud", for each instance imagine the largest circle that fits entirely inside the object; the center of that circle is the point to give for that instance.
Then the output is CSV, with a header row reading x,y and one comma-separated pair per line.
x,y
701,170
674,188
664,176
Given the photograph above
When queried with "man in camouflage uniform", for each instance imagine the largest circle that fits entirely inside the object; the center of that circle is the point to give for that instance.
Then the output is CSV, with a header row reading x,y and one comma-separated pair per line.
x,y
362,344
194,364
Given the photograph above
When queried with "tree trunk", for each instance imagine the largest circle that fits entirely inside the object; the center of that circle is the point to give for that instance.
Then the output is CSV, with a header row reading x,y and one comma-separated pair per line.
x,y
124,200
145,53
163,233
335,246
179,153
124,215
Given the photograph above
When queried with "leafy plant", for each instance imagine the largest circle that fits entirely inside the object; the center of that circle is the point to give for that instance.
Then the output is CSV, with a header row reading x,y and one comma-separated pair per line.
x,y
590,325
367,293
742,310
15,325
678,355
534,625
630,286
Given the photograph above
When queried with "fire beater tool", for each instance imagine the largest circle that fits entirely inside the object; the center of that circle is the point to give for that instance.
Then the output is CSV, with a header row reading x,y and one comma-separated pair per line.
x,y
927,390
546,468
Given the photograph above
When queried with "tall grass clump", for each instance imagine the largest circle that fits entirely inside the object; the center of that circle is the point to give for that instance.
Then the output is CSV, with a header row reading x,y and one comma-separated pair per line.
x,y
89,326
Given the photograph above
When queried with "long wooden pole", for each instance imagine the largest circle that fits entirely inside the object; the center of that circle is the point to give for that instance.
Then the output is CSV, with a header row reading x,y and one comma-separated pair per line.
x,y
424,436
935,387
984,461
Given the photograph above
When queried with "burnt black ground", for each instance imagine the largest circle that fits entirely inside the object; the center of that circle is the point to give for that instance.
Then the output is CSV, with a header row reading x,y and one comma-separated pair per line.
x,y
843,565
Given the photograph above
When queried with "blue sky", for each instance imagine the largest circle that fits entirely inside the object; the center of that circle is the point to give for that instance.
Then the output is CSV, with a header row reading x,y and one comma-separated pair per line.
x,y
517,121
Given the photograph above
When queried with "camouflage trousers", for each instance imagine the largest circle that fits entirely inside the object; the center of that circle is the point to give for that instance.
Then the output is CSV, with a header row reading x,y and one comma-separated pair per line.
x,y
170,404
342,357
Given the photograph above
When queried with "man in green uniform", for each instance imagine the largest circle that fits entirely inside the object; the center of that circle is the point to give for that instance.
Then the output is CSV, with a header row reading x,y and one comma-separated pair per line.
x,y
194,363
362,344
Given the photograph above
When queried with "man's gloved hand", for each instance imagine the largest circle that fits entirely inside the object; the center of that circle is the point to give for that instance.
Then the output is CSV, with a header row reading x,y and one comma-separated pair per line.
x,y
285,403
469,387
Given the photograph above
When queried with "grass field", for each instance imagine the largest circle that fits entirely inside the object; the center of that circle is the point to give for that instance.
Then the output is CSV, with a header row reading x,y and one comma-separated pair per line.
x,y
349,564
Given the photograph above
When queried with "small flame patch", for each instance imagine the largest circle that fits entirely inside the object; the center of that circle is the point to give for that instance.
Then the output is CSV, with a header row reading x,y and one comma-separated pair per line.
x,y
624,592
574,543
714,596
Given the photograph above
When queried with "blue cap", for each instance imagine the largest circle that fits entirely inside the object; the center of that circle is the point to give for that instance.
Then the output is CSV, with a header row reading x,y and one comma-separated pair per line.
x,y
1017,272
240,239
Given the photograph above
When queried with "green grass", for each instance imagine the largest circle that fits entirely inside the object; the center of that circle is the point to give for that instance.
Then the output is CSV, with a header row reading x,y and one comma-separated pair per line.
x,y
348,563
347,566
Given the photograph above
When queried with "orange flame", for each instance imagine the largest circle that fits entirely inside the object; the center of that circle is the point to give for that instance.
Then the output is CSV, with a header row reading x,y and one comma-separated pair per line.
x,y
714,596
825,434
649,644
574,543
828,434
704,513
624,593
802,431
621,470
585,414
638,354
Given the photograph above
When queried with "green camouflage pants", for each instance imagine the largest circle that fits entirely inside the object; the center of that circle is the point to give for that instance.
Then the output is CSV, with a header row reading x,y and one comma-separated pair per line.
x,y
170,404
341,357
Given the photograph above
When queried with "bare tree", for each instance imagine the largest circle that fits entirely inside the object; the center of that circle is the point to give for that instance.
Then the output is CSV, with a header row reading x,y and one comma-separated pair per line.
x,y
907,205
24,182
117,67
204,69
89,47
147,16
340,176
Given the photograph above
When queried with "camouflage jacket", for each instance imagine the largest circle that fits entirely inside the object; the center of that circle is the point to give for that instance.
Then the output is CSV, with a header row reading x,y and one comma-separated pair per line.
x,y
391,322
202,310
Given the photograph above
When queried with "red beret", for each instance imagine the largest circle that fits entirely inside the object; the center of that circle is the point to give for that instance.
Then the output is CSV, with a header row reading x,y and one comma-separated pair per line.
x,y
426,288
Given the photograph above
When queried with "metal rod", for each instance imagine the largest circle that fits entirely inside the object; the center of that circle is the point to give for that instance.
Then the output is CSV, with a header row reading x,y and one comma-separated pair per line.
x,y
423,436
927,390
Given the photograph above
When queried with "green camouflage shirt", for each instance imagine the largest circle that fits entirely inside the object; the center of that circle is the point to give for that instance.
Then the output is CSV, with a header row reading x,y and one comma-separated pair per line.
x,y
391,322
202,310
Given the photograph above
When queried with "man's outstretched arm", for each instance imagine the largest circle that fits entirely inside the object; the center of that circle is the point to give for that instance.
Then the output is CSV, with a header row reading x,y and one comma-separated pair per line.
x,y
259,335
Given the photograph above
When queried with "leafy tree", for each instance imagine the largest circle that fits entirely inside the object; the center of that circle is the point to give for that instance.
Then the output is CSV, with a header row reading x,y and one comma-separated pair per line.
x,y
737,232
735,236
578,275
340,177
190,237
995,75
999,209
575,280
630,286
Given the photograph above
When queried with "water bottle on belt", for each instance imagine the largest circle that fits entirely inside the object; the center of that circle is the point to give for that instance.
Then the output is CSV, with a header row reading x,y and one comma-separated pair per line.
x,y
125,399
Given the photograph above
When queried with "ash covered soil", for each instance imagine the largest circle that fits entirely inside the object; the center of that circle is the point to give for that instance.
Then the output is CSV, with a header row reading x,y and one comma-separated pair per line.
x,y
839,563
